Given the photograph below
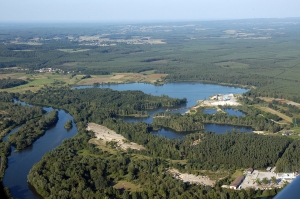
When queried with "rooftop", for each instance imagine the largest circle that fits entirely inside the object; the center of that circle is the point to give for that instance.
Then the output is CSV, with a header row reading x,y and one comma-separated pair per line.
x,y
237,181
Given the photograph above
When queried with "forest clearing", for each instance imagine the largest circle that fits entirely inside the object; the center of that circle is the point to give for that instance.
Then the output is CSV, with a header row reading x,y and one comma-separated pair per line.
x,y
103,133
192,179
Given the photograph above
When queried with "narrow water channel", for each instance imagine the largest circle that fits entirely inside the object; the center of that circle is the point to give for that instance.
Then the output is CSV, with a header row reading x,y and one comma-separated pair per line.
x,y
20,163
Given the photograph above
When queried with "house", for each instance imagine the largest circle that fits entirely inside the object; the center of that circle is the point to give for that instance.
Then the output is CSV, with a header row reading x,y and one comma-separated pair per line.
x,y
250,170
236,183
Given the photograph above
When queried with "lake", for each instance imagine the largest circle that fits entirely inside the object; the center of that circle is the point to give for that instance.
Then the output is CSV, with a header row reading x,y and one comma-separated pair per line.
x,y
192,91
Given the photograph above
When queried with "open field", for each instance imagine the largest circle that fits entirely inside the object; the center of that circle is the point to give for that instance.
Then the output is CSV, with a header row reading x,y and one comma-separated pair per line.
x,y
283,116
39,80
127,186
105,134
122,78
269,99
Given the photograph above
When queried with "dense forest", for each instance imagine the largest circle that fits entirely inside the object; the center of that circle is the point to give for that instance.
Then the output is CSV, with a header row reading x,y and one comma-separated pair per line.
x,y
178,122
97,104
289,162
9,83
32,130
66,173
254,56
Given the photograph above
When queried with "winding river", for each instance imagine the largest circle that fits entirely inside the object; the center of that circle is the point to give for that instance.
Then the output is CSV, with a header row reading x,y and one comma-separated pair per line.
x,y
20,163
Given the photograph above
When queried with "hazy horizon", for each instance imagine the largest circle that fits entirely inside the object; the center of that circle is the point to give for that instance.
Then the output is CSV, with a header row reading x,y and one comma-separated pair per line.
x,y
117,11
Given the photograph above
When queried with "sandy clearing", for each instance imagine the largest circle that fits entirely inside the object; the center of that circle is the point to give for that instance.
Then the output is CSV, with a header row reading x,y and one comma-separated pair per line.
x,y
259,132
223,103
104,133
192,179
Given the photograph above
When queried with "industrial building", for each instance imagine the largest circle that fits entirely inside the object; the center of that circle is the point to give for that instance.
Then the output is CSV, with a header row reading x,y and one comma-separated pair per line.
x,y
236,183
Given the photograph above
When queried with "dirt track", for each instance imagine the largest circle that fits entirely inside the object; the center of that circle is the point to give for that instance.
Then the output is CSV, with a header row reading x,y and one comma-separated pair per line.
x,y
103,133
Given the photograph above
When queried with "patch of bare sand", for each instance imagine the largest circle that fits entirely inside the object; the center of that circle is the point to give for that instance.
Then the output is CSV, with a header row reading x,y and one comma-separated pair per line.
x,y
192,179
259,132
104,133
223,103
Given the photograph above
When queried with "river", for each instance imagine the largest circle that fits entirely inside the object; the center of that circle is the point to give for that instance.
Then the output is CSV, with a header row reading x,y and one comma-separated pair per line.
x,y
20,163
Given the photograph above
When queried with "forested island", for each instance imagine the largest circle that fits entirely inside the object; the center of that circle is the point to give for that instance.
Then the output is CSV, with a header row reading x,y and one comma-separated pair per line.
x,y
42,68
68,124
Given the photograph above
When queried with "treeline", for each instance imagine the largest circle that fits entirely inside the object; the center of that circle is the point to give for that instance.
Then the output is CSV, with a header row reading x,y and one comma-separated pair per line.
x,y
258,122
237,150
4,152
178,122
32,130
290,160
9,83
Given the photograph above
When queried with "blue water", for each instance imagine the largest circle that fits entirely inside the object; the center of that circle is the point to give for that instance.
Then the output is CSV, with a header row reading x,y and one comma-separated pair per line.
x,y
233,112
11,132
192,91
20,163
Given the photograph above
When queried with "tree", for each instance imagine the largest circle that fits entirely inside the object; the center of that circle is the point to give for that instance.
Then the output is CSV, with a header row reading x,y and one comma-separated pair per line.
x,y
258,182
265,180
273,179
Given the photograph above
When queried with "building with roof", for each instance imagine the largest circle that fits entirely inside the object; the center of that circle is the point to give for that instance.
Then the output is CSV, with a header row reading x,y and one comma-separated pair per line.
x,y
236,183
250,170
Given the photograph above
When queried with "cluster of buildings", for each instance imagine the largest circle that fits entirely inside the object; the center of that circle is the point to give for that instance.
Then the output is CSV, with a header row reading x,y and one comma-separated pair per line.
x,y
252,176
220,97
49,70
52,70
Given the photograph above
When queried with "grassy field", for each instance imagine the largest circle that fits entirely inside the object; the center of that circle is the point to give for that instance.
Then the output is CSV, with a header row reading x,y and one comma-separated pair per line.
x,y
129,186
269,110
39,80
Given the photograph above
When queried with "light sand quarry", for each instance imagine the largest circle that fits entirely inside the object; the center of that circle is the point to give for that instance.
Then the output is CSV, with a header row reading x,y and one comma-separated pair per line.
x,y
215,104
105,134
192,179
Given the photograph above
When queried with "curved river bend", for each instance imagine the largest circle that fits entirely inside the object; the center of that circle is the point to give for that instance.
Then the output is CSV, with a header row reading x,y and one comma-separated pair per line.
x,y
20,163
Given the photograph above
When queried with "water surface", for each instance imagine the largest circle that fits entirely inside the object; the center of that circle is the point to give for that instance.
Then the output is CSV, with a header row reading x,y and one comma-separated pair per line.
x,y
20,163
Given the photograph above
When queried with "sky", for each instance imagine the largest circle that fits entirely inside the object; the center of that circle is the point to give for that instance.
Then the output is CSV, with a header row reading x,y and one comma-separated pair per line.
x,y
143,10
